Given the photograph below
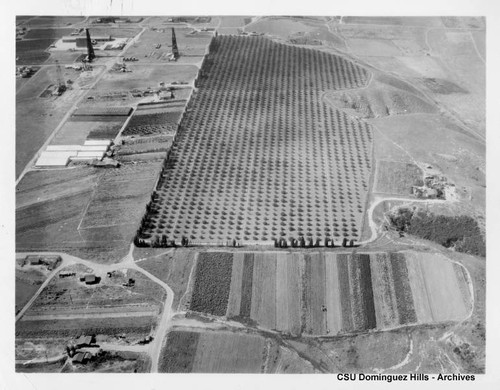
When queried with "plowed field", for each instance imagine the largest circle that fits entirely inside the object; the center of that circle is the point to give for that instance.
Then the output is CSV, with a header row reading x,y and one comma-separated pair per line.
x,y
334,293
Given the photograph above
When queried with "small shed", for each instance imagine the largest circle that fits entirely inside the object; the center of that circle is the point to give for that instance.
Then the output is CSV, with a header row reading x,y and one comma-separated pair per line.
x,y
89,279
79,358
83,341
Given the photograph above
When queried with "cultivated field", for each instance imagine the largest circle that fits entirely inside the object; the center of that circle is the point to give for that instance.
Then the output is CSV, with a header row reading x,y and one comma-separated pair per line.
x,y
328,293
258,156
212,352
88,212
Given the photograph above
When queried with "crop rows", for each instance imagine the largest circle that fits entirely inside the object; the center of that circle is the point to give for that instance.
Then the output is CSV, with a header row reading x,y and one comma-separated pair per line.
x,y
151,124
334,293
259,155
213,279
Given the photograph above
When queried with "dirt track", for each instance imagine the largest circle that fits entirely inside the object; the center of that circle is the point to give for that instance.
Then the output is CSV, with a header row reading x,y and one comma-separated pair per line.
x,y
127,262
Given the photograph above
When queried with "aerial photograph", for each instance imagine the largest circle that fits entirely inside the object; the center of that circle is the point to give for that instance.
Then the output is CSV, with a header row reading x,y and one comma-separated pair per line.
x,y
250,194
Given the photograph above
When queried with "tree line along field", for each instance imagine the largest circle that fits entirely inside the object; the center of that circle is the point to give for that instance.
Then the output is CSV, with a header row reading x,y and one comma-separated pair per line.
x,y
325,293
258,155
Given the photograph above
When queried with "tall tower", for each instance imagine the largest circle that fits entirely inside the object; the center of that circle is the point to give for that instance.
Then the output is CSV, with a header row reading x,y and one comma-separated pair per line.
x,y
175,49
90,48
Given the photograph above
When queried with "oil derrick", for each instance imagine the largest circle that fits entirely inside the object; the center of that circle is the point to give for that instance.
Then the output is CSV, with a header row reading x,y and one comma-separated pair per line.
x,y
90,48
61,85
175,49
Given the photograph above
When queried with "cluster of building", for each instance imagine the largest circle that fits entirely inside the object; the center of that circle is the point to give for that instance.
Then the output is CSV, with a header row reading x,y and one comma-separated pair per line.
x,y
61,155
435,187
49,261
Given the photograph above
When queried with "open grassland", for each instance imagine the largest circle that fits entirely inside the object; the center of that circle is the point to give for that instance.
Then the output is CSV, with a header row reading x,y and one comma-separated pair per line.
x,y
172,268
27,284
380,100
143,76
328,293
189,44
259,156
212,352
397,178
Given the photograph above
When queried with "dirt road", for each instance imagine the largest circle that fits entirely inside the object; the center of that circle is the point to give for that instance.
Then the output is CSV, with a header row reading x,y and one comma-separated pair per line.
x,y
127,262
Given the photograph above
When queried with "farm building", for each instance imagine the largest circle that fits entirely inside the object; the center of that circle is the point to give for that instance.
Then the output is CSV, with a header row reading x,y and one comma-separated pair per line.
x,y
52,160
79,358
97,142
82,41
50,261
84,341
89,279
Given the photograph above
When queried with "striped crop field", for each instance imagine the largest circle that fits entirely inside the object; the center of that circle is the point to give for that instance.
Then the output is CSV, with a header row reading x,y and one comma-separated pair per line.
x,y
212,352
329,293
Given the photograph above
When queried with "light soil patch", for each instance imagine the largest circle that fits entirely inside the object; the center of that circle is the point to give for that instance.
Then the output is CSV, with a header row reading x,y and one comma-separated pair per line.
x,y
419,289
374,47
225,352
333,303
288,306
264,290
315,294
234,302
444,293
282,297
144,76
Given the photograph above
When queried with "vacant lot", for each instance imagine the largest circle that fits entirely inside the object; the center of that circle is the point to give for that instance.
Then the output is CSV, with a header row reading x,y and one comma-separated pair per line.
x,y
144,76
